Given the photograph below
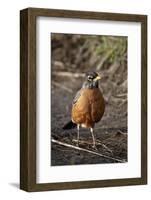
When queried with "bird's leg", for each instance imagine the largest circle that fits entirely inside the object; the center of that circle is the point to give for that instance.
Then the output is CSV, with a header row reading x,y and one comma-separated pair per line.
x,y
78,133
92,132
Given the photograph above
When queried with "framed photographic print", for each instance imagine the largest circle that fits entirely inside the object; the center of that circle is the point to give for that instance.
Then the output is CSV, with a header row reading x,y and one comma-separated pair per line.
x,y
83,99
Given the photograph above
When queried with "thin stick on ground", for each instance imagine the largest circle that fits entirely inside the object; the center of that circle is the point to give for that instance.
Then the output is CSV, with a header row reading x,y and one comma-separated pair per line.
x,y
97,143
121,132
86,150
103,145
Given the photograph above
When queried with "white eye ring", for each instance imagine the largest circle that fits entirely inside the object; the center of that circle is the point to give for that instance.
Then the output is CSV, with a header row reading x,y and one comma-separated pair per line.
x,y
90,77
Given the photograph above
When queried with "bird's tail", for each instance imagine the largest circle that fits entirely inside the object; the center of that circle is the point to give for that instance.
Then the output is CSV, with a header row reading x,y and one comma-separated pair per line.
x,y
69,125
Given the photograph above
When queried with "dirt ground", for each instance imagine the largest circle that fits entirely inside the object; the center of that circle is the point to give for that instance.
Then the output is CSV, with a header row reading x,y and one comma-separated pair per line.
x,y
111,131
72,56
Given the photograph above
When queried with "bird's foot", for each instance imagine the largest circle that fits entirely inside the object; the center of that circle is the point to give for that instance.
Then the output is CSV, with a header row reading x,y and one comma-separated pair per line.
x,y
94,147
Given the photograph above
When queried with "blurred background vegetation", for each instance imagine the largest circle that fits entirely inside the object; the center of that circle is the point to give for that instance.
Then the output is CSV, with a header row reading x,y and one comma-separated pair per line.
x,y
88,52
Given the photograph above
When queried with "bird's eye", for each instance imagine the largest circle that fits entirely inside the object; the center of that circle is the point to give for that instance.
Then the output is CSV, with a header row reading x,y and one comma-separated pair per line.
x,y
90,78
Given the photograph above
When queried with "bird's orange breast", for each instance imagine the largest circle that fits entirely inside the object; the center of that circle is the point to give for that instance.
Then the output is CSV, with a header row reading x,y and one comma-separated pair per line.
x,y
89,108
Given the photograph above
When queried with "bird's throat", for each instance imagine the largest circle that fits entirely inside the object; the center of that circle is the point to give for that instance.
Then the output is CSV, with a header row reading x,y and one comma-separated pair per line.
x,y
90,84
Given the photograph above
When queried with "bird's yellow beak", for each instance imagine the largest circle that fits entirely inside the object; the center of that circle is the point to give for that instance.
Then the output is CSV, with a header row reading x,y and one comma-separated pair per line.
x,y
98,78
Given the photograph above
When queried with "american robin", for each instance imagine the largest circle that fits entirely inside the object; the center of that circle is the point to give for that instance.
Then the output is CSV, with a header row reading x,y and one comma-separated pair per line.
x,y
88,106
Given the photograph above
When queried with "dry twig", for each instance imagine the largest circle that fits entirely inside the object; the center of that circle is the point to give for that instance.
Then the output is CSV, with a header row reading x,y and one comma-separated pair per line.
x,y
86,150
97,143
62,86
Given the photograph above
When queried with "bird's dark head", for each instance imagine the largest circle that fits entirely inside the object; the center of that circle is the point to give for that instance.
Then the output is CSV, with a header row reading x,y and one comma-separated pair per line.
x,y
92,79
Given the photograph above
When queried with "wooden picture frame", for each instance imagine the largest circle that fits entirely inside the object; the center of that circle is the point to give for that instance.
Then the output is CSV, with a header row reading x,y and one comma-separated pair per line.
x,y
28,98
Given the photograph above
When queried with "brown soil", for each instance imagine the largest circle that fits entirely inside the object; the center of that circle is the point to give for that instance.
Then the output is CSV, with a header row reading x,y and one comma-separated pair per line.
x,y
111,131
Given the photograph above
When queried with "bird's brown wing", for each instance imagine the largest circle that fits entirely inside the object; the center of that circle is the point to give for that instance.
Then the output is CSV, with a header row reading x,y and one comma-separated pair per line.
x,y
77,96
80,107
